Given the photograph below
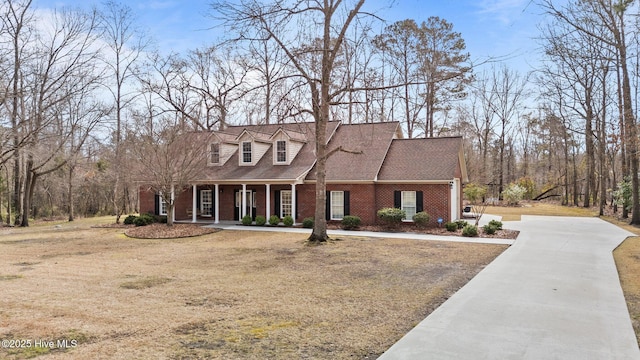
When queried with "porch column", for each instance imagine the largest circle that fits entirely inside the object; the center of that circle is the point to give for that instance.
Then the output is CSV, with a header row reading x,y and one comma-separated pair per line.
x,y
293,202
216,205
243,212
173,201
268,201
194,209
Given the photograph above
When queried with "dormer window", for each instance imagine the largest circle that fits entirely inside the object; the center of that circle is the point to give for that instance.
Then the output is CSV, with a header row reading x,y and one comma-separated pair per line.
x,y
215,153
246,152
281,151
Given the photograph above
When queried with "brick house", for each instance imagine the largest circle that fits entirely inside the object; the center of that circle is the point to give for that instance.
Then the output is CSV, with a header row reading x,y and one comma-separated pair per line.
x,y
269,170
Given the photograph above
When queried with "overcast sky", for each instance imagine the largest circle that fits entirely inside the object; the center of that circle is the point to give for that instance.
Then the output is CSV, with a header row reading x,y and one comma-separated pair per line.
x,y
490,28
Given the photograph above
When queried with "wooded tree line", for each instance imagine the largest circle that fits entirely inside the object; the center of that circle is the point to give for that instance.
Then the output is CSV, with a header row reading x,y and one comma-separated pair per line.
x,y
81,92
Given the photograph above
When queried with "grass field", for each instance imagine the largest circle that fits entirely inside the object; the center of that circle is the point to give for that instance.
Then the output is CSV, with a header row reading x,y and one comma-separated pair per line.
x,y
83,292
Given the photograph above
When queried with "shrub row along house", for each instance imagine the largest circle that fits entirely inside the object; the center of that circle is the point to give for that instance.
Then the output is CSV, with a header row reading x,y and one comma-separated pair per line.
x,y
269,170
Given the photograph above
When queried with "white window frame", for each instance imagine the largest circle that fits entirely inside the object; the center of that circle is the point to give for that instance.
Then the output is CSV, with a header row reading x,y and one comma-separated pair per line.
x,y
283,151
404,206
162,206
333,204
284,205
208,202
247,152
216,152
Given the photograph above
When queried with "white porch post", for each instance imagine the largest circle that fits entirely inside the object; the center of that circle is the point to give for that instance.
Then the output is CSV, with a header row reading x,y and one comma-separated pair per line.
x,y
268,201
216,206
194,209
293,202
243,211
173,201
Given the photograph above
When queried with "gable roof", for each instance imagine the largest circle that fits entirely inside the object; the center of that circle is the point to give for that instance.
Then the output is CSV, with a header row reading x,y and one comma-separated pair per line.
x,y
264,170
424,159
365,147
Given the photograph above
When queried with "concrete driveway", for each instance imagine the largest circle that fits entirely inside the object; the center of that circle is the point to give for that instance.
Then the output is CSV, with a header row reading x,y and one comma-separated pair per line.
x,y
554,294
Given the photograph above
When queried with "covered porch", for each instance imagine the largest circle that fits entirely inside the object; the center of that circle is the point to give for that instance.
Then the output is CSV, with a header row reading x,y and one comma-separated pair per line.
x,y
221,202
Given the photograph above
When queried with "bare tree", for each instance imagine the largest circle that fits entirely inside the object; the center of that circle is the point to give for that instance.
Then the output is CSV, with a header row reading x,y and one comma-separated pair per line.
x,y
125,44
327,20
169,159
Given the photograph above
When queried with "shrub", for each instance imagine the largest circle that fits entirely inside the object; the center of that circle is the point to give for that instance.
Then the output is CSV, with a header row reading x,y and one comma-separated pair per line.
x,y
392,217
451,226
421,219
129,219
142,220
261,220
496,224
274,220
350,222
489,229
162,219
247,220
147,218
474,192
470,231
528,185
307,223
461,223
139,221
287,221
513,194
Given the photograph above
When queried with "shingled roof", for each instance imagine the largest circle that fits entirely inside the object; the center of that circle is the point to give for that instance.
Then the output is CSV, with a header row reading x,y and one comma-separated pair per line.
x,y
373,152
431,159
365,148
265,170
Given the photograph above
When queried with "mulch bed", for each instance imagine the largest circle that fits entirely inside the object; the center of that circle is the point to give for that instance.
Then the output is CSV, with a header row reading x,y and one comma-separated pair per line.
x,y
162,231
411,228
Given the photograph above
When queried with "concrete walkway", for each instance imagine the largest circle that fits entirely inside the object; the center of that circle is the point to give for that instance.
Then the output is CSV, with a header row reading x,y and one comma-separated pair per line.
x,y
394,235
554,294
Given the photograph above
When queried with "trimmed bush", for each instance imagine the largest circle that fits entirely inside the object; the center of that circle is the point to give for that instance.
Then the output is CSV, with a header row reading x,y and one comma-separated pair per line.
x,y
287,221
129,219
307,223
461,224
274,220
350,222
139,221
470,231
451,226
247,220
261,220
147,219
489,229
391,217
162,219
421,219
496,224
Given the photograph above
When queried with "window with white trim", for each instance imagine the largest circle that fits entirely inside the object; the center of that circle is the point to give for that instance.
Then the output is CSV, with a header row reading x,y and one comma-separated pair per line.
x,y
285,203
337,205
215,153
281,151
162,206
409,204
246,151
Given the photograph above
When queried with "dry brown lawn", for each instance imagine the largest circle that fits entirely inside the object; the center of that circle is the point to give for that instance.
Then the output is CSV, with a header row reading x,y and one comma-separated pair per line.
x,y
513,213
627,257
227,295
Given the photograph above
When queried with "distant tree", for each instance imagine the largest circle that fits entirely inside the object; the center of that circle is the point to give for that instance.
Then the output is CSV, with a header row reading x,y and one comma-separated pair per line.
x,y
125,43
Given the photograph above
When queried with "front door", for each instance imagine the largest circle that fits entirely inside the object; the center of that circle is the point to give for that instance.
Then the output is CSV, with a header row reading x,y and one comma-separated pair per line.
x,y
250,206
